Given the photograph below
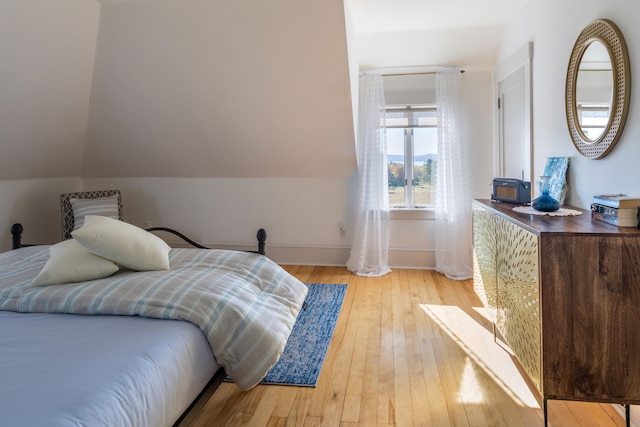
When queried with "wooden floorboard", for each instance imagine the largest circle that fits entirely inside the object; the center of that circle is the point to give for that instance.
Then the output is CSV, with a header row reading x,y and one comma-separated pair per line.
x,y
411,348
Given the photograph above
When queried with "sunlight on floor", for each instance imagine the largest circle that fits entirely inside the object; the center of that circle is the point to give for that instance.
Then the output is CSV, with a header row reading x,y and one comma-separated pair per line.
x,y
477,342
470,392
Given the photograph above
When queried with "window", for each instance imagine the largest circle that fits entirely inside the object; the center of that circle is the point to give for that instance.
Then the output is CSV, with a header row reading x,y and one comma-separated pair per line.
x,y
412,147
593,119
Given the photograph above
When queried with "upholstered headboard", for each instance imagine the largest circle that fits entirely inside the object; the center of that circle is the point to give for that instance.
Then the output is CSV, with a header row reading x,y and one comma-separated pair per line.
x,y
66,208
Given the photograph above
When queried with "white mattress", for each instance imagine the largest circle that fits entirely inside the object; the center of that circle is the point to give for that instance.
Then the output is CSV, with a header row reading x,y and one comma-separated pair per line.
x,y
74,370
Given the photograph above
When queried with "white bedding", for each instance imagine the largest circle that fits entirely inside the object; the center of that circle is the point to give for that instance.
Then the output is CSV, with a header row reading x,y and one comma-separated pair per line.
x,y
62,370
245,304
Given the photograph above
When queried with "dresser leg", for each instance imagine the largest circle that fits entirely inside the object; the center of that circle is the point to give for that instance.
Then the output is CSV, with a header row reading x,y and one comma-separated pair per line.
x,y
544,411
627,415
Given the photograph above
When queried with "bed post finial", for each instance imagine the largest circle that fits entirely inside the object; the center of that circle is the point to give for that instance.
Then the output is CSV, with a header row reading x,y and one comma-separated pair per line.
x,y
262,237
16,235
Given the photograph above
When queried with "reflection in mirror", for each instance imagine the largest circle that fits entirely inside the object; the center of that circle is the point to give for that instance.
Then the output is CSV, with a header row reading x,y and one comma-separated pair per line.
x,y
597,89
594,91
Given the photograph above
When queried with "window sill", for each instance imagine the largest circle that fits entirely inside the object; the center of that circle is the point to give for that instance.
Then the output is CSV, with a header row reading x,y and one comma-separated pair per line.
x,y
412,214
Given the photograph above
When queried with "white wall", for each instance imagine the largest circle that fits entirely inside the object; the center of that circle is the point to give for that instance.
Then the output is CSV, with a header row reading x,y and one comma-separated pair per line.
x,y
256,94
35,203
554,27
354,66
477,107
47,50
300,212
150,86
301,215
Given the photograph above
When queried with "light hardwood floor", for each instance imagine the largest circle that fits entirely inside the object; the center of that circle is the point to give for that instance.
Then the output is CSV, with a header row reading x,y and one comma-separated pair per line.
x,y
412,348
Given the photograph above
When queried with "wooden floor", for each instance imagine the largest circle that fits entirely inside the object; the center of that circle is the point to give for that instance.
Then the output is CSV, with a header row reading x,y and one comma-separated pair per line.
x,y
412,348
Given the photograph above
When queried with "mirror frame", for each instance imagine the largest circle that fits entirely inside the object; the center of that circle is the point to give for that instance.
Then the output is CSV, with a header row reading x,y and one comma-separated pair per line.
x,y
607,33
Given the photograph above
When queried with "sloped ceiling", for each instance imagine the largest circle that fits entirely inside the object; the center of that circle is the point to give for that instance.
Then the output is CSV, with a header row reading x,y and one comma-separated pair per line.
x,y
225,88
210,88
47,50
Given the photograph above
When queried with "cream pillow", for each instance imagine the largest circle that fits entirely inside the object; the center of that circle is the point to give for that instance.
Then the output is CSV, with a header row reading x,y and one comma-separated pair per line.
x,y
69,262
123,243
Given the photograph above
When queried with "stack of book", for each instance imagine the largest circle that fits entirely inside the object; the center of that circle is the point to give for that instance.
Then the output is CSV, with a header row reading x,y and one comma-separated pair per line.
x,y
616,209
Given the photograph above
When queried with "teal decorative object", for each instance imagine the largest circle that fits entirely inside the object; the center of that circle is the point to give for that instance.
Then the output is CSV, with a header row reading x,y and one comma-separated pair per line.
x,y
545,202
556,169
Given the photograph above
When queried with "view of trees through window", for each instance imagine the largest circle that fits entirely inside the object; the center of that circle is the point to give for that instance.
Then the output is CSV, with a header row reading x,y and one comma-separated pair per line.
x,y
411,155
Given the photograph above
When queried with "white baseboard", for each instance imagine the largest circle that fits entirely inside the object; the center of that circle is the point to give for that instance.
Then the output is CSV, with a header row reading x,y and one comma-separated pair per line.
x,y
309,255
338,256
330,255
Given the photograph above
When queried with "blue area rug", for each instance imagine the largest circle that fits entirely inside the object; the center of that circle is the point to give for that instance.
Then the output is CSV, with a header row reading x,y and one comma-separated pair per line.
x,y
304,354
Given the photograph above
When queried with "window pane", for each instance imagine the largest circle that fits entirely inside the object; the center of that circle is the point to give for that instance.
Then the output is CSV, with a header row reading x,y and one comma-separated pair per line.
x,y
420,121
428,118
425,146
593,120
395,162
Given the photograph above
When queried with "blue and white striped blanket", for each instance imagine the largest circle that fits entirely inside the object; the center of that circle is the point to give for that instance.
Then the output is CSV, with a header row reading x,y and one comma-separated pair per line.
x,y
245,304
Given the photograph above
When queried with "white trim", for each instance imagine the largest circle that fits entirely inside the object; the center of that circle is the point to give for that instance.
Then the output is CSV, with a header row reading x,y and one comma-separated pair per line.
x,y
333,256
514,62
337,256
398,214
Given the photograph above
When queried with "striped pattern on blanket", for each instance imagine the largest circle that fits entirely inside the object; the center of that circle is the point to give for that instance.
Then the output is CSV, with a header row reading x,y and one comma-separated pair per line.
x,y
244,303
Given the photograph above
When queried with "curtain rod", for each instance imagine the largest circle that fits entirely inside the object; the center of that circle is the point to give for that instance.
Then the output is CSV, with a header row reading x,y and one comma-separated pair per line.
x,y
412,74
407,72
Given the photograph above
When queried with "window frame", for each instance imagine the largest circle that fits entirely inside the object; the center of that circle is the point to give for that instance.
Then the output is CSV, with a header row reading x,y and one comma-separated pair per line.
x,y
413,121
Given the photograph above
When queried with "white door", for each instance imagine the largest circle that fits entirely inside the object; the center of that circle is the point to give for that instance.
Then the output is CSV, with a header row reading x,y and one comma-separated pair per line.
x,y
512,127
514,117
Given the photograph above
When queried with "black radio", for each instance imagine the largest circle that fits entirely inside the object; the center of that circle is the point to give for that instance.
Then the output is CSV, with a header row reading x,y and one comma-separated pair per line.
x,y
511,190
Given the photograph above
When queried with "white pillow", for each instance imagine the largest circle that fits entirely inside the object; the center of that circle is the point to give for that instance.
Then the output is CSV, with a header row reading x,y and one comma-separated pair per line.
x,y
69,262
104,206
123,243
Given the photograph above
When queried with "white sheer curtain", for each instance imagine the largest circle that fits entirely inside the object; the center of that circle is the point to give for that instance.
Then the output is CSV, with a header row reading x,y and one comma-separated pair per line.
x,y
453,204
370,248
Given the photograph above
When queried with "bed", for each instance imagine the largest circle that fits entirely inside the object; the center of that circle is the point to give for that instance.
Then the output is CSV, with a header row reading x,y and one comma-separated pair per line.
x,y
136,348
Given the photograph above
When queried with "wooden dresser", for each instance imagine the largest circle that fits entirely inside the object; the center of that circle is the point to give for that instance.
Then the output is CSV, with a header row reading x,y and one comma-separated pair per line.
x,y
564,293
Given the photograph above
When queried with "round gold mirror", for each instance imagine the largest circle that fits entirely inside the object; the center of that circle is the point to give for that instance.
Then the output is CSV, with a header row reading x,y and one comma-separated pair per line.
x,y
597,90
